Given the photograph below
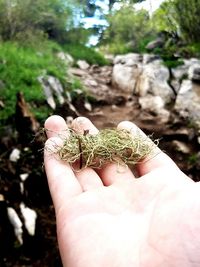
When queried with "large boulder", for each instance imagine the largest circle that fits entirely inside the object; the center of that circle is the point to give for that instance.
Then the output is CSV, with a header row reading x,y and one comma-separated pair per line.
x,y
157,43
132,74
125,77
188,102
155,105
194,72
154,80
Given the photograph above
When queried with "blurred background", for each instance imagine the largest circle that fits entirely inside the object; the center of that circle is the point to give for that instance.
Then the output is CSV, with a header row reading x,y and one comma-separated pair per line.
x,y
107,60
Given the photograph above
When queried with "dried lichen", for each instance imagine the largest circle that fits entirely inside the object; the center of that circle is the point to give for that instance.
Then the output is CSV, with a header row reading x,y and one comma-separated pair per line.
x,y
109,145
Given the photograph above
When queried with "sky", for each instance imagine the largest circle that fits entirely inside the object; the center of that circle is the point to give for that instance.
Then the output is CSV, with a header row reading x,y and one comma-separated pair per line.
x,y
150,5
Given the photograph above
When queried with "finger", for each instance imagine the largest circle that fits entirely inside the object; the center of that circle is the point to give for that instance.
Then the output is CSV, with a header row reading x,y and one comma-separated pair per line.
x,y
155,160
111,172
87,177
62,182
56,126
82,124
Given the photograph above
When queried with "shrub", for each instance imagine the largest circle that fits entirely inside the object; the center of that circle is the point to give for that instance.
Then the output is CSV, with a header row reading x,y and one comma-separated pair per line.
x,y
20,68
85,53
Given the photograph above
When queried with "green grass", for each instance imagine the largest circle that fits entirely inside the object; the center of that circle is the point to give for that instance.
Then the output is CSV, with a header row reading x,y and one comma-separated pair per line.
x,y
86,53
116,48
19,70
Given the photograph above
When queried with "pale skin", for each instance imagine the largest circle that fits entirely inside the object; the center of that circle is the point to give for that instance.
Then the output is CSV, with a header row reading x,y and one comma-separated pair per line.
x,y
107,218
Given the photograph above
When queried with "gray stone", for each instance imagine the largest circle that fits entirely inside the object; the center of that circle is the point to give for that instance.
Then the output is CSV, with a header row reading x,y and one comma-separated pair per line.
x,y
125,77
159,42
51,86
194,72
155,104
181,147
82,64
128,59
67,58
151,103
15,155
154,79
188,102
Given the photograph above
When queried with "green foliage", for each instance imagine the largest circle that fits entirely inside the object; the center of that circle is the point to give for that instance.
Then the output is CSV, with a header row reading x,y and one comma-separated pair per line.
x,y
78,35
22,18
179,16
127,26
190,50
188,19
20,68
86,53
115,48
164,18
173,63
193,159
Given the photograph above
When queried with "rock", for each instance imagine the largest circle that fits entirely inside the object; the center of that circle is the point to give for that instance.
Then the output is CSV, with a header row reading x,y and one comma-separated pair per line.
x,y
88,106
24,176
155,105
194,73
153,79
51,86
151,103
188,102
90,82
131,75
82,64
16,223
30,217
181,147
190,62
159,42
148,58
15,155
129,59
180,72
2,105
198,140
67,58
77,72
125,77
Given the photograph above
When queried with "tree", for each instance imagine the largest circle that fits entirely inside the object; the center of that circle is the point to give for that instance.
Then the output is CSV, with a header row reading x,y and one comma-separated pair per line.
x,y
164,18
127,25
188,19
21,16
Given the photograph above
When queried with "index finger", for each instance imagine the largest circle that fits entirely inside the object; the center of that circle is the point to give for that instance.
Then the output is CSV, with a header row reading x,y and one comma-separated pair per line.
x,y
157,158
62,182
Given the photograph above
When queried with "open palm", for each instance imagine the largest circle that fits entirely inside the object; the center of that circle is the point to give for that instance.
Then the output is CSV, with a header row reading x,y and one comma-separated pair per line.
x,y
109,218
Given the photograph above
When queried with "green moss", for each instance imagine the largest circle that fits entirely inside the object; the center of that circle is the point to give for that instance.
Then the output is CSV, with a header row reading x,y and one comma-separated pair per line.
x,y
109,145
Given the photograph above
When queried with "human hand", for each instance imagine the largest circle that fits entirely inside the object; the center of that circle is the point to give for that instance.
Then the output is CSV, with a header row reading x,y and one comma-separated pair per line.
x,y
111,219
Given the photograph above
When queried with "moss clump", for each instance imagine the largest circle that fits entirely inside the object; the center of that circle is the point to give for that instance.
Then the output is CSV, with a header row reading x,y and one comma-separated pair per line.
x,y
109,145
